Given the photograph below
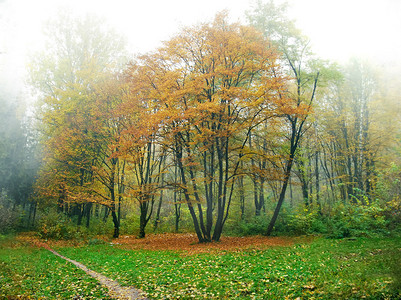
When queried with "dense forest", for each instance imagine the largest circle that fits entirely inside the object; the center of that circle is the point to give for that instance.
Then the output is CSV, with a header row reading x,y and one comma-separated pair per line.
x,y
226,129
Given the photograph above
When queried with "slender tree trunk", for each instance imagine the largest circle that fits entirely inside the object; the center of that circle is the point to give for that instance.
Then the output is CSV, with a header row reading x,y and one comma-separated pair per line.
x,y
304,182
88,208
241,194
291,194
106,213
142,219
317,180
116,233
177,207
112,190
187,196
79,212
282,196
159,206
296,135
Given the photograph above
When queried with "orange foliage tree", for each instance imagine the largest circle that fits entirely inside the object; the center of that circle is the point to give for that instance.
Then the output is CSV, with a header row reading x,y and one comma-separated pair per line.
x,y
204,91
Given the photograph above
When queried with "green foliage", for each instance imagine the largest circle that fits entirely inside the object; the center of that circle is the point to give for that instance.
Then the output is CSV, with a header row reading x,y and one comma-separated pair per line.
x,y
392,212
55,225
324,269
256,225
306,221
343,220
130,225
96,241
11,219
357,220
388,183
28,273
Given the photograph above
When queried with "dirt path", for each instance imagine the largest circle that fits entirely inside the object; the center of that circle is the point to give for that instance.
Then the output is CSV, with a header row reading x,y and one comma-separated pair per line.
x,y
116,291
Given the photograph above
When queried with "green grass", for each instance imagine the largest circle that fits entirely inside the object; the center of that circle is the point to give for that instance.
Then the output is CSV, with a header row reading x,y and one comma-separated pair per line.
x,y
323,269
30,273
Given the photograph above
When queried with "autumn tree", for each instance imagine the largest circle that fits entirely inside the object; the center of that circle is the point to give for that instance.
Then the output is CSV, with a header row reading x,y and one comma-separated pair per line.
x,y
207,89
81,56
300,65
145,157
356,131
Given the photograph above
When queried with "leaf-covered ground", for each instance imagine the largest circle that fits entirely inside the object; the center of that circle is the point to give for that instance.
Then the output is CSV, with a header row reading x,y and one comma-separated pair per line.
x,y
188,243
28,272
322,269
302,269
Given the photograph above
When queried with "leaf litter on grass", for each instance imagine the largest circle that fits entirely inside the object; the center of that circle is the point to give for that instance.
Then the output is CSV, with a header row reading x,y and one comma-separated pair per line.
x,y
188,243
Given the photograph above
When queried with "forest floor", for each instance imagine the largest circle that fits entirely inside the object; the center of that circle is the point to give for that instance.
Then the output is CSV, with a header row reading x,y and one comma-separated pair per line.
x,y
188,243
183,242
173,266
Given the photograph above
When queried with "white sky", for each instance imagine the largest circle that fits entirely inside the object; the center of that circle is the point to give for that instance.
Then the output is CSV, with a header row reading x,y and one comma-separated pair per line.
x,y
338,29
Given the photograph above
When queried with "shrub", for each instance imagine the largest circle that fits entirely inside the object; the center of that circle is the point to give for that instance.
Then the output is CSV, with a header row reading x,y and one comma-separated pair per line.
x,y
256,225
344,220
96,241
11,217
306,220
354,219
54,225
392,213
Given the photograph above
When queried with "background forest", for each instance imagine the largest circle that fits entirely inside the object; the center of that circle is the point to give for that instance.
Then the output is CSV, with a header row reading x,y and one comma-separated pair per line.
x,y
226,129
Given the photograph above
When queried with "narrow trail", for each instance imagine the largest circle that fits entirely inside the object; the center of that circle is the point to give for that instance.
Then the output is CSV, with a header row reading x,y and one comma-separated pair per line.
x,y
116,291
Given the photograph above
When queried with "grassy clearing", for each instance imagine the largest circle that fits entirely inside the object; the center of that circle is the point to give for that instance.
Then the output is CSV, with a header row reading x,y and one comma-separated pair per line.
x,y
31,273
323,269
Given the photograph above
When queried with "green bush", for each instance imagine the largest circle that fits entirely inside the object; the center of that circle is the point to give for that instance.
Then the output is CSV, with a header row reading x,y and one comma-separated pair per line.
x,y
100,227
256,225
355,219
306,221
54,225
11,218
392,213
343,220
96,241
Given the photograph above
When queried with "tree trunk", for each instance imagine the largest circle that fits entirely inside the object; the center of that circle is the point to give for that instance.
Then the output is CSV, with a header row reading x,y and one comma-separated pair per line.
x,y
296,135
79,212
157,218
304,182
88,208
159,206
241,195
142,219
177,216
282,196
198,231
116,233
106,213
112,190
317,180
